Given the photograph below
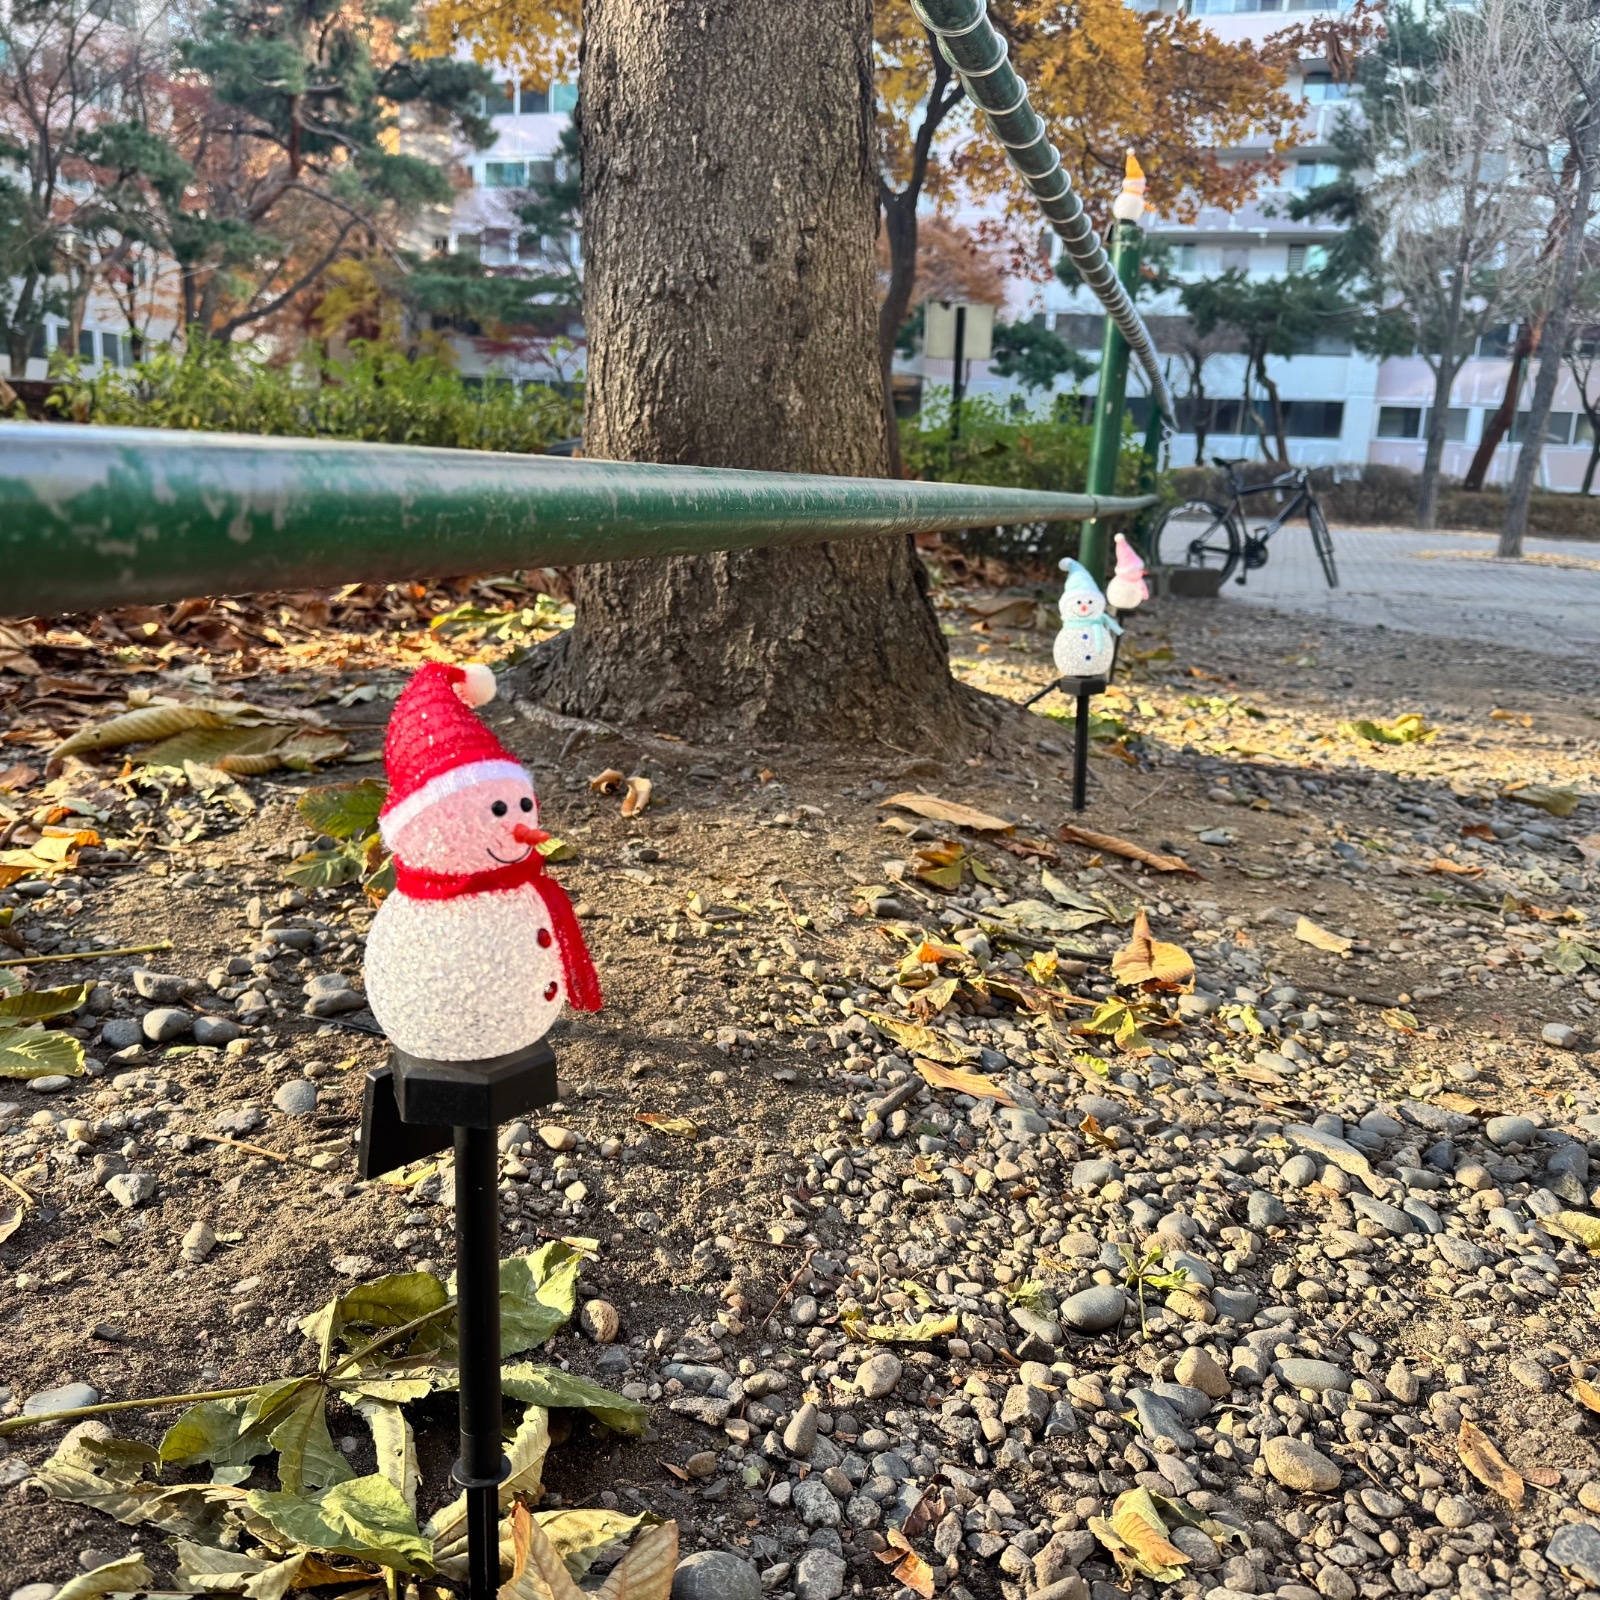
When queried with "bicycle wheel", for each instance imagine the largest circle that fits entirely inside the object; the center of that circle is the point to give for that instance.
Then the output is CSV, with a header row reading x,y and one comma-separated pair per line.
x,y
1323,540
1197,533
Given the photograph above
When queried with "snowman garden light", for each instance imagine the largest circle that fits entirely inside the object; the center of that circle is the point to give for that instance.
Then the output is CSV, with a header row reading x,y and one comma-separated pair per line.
x,y
469,963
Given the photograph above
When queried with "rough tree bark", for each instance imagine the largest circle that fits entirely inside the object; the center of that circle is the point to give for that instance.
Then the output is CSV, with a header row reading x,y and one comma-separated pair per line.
x,y
730,186
1515,526
1498,424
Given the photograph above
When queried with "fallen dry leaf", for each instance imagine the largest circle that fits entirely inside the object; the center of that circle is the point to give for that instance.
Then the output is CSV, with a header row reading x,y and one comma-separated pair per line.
x,y
1543,1477
1586,1394
1476,830
1092,1131
973,1083
908,1566
1309,932
951,811
637,797
1588,846
607,782
662,1123
1452,1101
1070,834
1458,868
1146,960
1488,1466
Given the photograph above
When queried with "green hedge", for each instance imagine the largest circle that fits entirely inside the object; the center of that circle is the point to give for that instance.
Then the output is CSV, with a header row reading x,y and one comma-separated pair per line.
x,y
1017,450
377,393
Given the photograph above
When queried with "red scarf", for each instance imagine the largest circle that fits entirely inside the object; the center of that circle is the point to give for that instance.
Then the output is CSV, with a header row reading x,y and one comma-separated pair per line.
x,y
583,983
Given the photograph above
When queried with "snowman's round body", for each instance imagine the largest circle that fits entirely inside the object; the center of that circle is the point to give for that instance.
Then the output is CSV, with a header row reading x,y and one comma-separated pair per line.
x,y
466,978
1084,649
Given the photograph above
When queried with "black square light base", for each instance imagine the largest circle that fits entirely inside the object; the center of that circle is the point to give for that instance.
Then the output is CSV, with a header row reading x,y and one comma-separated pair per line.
x,y
411,1105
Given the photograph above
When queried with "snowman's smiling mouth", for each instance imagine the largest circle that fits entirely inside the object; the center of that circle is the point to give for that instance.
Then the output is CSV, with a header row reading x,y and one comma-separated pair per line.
x,y
513,860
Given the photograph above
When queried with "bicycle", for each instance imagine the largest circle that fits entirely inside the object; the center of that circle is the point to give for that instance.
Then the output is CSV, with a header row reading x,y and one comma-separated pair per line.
x,y
1213,536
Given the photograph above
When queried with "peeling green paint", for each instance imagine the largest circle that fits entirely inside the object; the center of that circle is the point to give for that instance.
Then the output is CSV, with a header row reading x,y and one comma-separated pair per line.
x,y
93,517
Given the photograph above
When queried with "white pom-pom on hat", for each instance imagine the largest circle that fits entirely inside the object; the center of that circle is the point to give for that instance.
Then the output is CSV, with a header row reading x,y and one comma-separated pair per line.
x,y
477,684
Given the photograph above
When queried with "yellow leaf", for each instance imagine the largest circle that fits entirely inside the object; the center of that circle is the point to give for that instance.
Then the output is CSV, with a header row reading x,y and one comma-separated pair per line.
x,y
1042,966
1488,1466
919,1040
973,1083
922,1331
1459,869
1308,932
1400,1021
662,1123
1559,802
908,1566
1587,1394
1585,1229
1147,960
950,811
935,997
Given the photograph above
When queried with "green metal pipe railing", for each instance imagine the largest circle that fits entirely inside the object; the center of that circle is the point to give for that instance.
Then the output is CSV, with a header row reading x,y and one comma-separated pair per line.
x,y
968,41
94,517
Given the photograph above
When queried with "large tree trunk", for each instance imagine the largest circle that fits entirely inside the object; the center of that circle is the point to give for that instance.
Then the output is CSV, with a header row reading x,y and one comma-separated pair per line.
x,y
1515,526
729,193
1433,456
1497,425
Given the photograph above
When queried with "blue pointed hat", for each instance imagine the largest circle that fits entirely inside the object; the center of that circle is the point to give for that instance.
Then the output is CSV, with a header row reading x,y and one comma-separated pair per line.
x,y
1078,579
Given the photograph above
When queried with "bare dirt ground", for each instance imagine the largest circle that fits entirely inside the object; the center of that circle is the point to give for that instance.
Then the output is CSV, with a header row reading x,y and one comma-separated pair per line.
x,y
742,926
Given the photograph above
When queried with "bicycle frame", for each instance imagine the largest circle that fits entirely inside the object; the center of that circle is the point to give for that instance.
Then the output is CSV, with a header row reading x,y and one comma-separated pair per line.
x,y
1300,499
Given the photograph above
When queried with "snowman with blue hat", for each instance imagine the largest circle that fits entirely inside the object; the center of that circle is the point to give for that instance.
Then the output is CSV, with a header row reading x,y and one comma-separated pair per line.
x,y
1086,645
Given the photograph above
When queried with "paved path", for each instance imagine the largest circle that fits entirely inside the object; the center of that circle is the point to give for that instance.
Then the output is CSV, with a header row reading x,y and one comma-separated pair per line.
x,y
1444,584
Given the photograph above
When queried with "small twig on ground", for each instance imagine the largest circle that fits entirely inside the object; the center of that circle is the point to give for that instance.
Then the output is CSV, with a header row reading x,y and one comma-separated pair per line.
x,y
88,955
11,830
789,1287
253,1149
772,1244
17,1189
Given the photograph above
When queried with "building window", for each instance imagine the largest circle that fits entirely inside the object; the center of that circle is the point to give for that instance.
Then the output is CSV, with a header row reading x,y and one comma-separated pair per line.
x,y
1557,427
37,349
1399,422
441,244
1313,419
563,98
1497,341
1314,174
501,100
1185,258
541,173
1455,423
1308,257
494,248
86,344
505,174
535,102
1236,258
1321,87
111,349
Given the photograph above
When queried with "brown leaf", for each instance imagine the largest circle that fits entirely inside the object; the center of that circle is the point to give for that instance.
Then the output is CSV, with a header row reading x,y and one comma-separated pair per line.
x,y
1586,1394
1146,960
1069,833
1092,1131
637,797
1488,1466
538,1572
1543,1477
950,811
18,777
909,1567
13,1211
607,782
973,1083
1457,869
662,1123
1476,830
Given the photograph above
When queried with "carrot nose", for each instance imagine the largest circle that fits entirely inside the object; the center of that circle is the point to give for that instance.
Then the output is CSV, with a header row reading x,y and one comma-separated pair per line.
x,y
523,834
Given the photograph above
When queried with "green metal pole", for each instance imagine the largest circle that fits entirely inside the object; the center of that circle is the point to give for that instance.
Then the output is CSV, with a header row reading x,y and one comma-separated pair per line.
x,y
1149,472
1105,443
93,517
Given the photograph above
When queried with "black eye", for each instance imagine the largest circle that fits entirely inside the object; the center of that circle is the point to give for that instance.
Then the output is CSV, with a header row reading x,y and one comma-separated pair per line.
x,y
499,808
527,804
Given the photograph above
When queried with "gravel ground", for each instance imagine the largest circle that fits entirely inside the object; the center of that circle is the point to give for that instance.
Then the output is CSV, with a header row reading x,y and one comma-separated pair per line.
x,y
1348,1185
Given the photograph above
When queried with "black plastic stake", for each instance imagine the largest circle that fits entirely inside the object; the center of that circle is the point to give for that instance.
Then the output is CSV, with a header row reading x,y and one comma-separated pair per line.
x,y
1080,749
482,1465
410,1110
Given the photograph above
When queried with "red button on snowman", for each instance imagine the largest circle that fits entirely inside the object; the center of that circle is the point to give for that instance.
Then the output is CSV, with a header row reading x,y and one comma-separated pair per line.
x,y
477,948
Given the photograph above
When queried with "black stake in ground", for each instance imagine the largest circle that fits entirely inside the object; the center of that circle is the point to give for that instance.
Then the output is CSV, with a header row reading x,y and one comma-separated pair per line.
x,y
417,1108
1080,689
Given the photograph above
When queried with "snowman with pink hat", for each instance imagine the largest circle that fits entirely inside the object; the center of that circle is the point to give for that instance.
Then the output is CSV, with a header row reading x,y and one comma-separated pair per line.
x,y
476,950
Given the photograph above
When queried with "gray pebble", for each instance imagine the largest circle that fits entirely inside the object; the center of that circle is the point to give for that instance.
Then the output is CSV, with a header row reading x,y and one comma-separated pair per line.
x,y
1320,1376
216,1031
1575,1548
1509,1130
69,1397
816,1503
1300,1466
165,1024
130,1189
1264,1210
1299,1172
878,1374
1562,1037
801,1434
296,1098
121,1033
1455,1511
239,1121
329,995
1094,1310
715,1575
50,1083
819,1575
163,988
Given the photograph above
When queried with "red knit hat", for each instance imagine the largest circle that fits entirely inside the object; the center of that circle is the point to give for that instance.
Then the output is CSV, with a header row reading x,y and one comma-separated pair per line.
x,y
436,747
